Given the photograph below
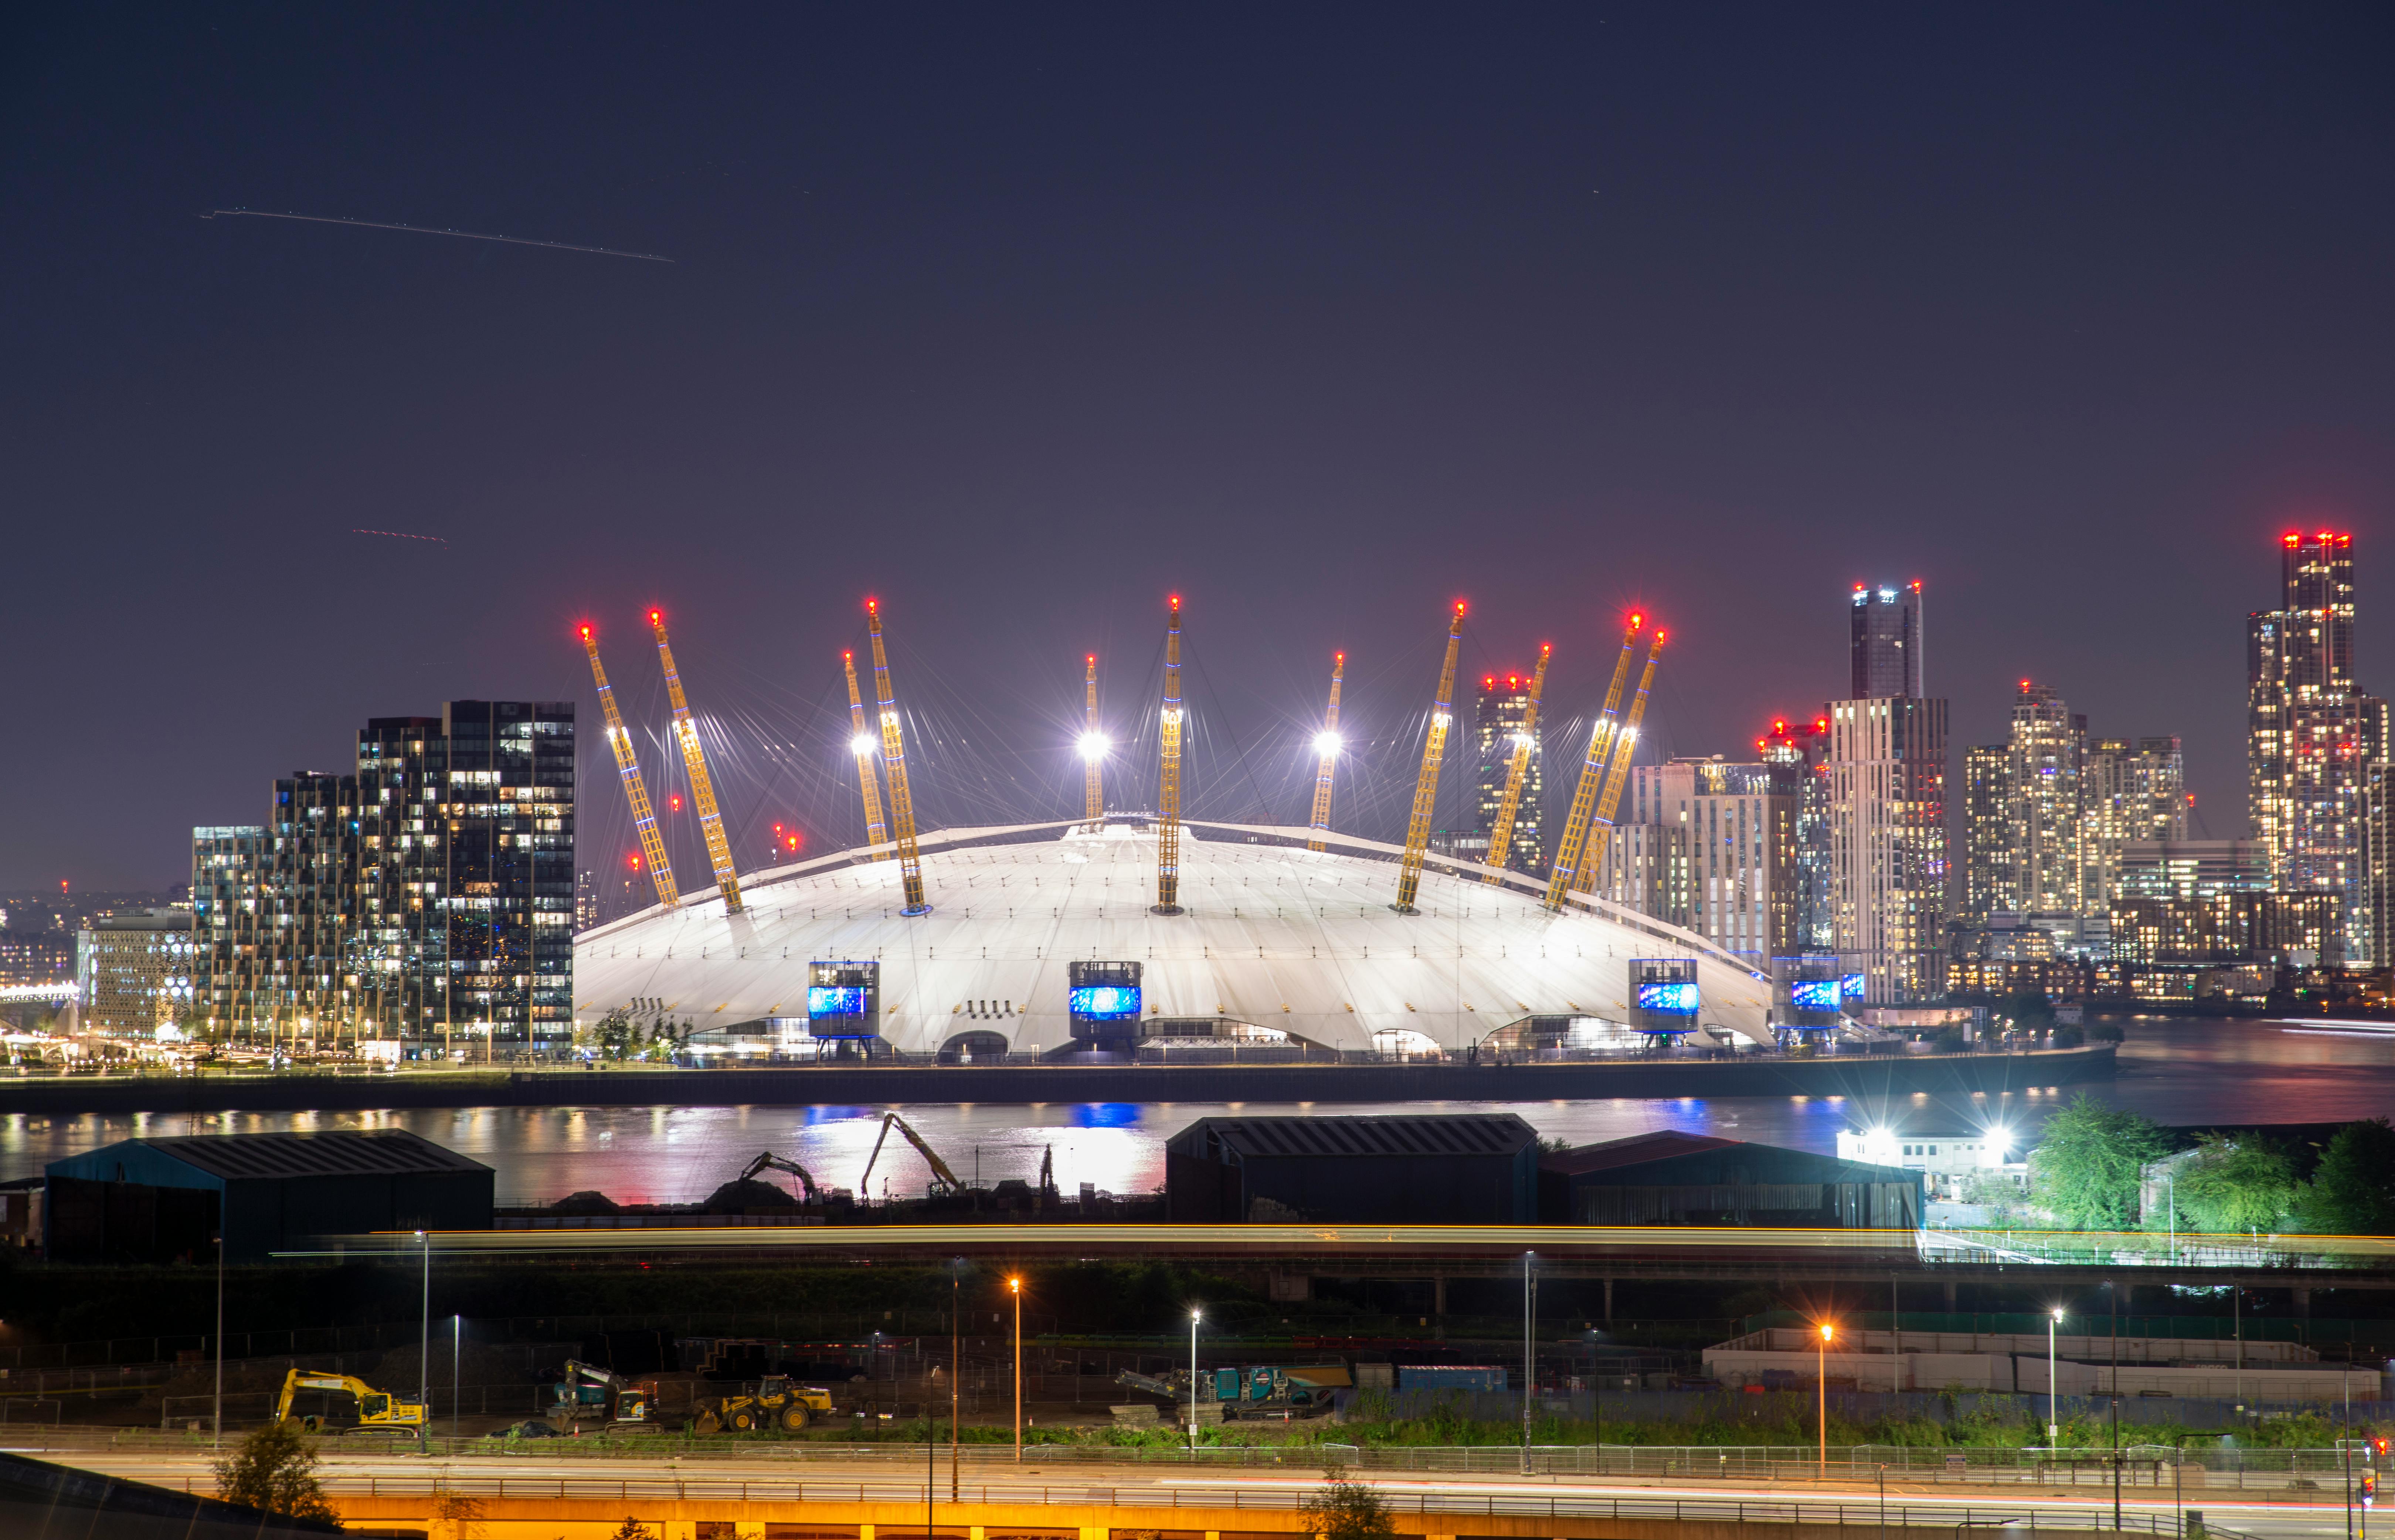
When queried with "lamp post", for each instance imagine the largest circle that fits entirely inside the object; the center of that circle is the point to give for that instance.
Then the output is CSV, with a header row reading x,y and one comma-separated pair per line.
x,y
2053,1412
1529,1359
1015,1287
1821,1384
424,1352
457,1358
1193,1317
215,1426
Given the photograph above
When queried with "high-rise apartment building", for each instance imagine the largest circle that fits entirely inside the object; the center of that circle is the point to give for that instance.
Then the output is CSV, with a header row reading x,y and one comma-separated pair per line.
x,y
2316,744
1729,874
1887,807
2130,790
2042,773
1884,645
1497,727
2191,868
1798,754
1989,881
229,957
430,895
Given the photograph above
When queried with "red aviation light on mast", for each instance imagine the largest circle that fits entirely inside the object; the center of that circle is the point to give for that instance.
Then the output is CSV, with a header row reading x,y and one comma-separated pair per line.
x,y
586,631
2292,538
1636,620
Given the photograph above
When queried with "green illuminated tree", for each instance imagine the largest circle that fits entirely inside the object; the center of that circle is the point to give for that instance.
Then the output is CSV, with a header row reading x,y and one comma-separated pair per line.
x,y
2236,1185
2353,1192
2084,1168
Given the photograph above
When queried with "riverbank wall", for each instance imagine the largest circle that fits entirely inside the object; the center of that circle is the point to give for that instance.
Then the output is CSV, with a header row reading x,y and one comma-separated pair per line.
x,y
868,1084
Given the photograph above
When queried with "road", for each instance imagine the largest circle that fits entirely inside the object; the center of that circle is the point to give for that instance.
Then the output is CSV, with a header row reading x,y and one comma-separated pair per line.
x,y
846,1478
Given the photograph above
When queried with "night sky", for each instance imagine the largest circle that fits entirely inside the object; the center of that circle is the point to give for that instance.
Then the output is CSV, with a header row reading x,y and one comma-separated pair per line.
x,y
1022,317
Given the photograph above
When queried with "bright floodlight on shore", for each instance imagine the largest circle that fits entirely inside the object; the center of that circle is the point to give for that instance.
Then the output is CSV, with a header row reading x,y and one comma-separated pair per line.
x,y
861,744
1325,742
1093,745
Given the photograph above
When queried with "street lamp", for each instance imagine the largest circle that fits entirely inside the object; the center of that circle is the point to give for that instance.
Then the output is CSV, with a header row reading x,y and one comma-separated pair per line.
x,y
1529,1357
1194,1316
2053,1415
1015,1287
1821,1384
424,1352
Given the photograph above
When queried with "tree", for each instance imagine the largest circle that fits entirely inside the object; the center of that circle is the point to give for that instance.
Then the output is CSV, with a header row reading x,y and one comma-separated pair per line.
x,y
274,1469
614,1034
1348,1510
2237,1184
2084,1168
2353,1192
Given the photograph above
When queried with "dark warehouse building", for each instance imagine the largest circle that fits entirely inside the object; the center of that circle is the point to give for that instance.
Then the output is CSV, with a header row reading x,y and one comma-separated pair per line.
x,y
1452,1170
1675,1178
158,1200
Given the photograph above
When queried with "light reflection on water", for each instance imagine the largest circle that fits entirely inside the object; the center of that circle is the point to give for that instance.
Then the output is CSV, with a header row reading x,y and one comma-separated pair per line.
x,y
2182,1072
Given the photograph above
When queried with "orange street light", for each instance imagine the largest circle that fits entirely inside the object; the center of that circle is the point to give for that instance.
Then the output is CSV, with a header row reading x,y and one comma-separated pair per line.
x,y
1015,1287
1821,1384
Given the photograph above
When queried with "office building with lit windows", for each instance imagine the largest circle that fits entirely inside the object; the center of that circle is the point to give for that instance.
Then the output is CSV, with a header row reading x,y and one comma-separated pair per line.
x,y
133,972
1887,807
1497,727
2316,743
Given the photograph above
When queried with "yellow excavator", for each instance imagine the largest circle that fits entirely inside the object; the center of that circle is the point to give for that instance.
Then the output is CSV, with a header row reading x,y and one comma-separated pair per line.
x,y
943,1182
378,1410
777,1401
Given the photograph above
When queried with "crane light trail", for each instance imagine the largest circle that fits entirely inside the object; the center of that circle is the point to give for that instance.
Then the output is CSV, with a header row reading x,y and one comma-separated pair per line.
x,y
422,230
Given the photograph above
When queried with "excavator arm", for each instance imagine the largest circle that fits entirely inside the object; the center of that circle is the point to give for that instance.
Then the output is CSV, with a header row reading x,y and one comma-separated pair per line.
x,y
376,1407
772,1162
942,1179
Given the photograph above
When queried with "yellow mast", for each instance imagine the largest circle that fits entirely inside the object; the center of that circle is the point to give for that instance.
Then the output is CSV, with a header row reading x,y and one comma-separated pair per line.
x,y
1426,784
1591,777
1326,743
702,790
894,761
652,844
1168,781
1093,752
1601,832
1501,834
860,743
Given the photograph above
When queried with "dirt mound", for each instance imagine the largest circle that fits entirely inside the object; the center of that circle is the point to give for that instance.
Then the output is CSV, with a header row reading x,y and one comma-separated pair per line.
x,y
748,1196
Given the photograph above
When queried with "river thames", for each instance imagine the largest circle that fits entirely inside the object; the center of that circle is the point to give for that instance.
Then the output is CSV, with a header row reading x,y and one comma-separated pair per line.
x,y
2178,1071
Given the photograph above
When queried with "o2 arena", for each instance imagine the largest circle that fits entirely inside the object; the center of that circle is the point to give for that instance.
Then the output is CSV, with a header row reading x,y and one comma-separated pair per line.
x,y
1040,940
1129,936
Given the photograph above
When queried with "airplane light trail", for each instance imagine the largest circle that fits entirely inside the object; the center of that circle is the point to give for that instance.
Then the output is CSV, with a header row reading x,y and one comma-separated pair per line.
x,y
422,230
397,534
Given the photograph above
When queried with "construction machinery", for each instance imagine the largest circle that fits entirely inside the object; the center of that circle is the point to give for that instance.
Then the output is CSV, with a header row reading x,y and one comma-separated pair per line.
x,y
1591,777
1093,750
893,763
777,1400
1442,717
1326,744
702,789
943,1182
652,844
1264,1391
862,745
379,1411
589,1392
1601,829
1168,784
772,1162
1501,831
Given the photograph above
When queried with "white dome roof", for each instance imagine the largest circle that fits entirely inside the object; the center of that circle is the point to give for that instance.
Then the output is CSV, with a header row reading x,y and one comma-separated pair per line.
x,y
1273,934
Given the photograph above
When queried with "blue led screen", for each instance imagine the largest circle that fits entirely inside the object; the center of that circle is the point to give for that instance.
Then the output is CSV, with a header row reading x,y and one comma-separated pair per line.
x,y
824,1000
1103,1002
1823,994
1675,999
1853,986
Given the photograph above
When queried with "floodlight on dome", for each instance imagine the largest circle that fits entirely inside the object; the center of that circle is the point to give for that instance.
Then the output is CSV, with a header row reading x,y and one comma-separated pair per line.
x,y
1093,745
861,744
1325,742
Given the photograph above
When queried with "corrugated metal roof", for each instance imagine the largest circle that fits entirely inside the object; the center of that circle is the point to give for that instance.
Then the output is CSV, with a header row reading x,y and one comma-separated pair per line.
x,y
334,1152
1464,1134
1636,1150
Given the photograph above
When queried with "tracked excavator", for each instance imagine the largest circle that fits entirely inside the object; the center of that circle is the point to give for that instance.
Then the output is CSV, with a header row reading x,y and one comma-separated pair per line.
x,y
772,1162
943,1182
379,1411
620,1401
